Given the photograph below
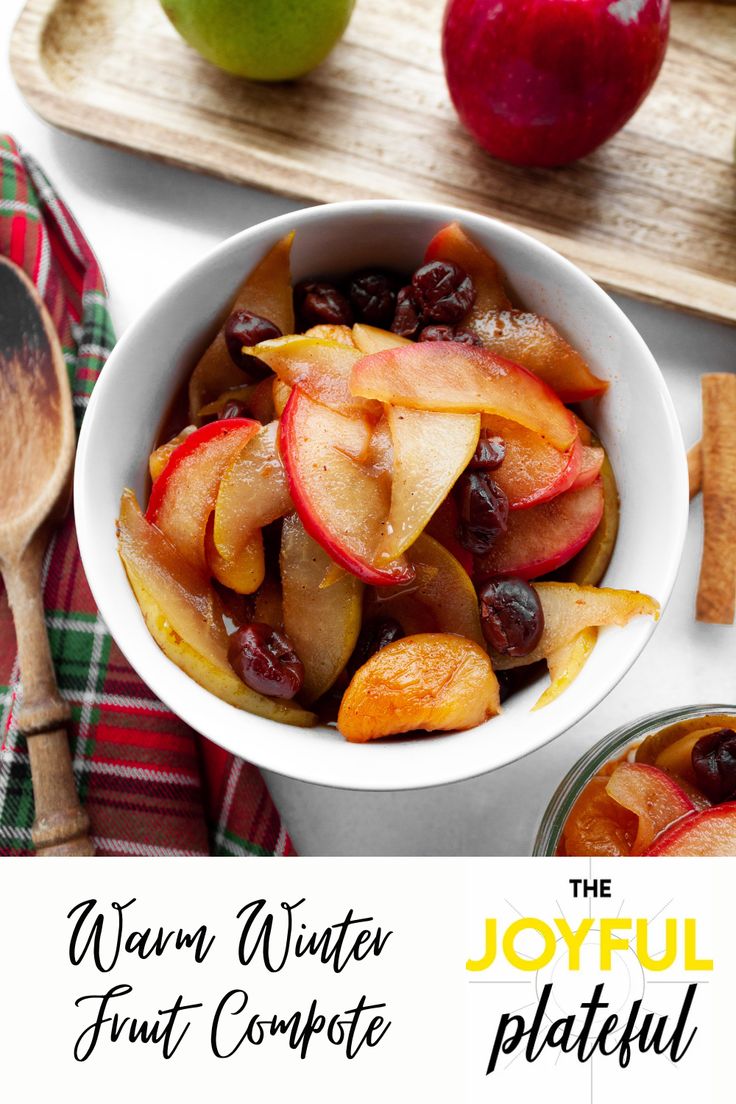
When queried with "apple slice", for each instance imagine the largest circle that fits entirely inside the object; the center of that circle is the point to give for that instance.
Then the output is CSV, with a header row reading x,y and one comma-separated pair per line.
x,y
441,598
245,572
566,663
542,538
591,462
569,609
597,826
652,796
281,392
591,564
532,340
432,681
532,471
183,496
342,335
453,244
369,339
321,369
342,505
323,623
706,834
430,452
443,526
160,456
253,492
183,615
267,292
463,379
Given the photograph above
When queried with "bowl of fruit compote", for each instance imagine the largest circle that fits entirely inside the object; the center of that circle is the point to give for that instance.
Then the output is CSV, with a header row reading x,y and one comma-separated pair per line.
x,y
381,495
663,785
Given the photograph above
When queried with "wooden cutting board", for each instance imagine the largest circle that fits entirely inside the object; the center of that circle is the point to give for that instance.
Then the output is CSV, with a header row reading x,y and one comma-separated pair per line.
x,y
652,213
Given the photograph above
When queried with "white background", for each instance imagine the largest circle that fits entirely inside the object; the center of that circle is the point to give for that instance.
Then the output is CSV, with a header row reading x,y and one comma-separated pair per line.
x,y
442,1022
148,222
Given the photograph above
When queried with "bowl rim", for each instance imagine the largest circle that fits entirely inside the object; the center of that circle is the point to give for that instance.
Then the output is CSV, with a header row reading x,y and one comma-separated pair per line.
x,y
428,769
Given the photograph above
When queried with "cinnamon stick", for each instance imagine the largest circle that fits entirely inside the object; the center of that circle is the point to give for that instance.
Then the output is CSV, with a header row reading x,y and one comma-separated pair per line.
x,y
716,599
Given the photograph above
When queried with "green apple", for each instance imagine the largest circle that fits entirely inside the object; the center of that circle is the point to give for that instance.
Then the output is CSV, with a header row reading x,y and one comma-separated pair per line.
x,y
267,40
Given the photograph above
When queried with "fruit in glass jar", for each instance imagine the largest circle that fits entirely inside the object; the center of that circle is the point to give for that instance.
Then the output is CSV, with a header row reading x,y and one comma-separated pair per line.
x,y
183,615
463,379
343,506
541,538
569,609
265,292
432,681
597,826
263,40
322,622
708,833
714,765
652,796
544,82
430,451
183,497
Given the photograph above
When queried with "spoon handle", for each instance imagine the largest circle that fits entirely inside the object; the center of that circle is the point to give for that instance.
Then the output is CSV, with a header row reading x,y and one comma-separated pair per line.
x,y
61,826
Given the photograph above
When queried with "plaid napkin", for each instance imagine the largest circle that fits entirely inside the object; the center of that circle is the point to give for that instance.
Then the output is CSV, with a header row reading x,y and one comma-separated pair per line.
x,y
150,784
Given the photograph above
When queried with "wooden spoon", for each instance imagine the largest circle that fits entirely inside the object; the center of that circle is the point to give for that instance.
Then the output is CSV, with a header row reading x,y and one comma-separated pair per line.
x,y
36,462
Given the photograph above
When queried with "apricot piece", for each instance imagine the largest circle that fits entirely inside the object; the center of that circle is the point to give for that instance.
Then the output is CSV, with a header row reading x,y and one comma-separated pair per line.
x,y
598,826
433,681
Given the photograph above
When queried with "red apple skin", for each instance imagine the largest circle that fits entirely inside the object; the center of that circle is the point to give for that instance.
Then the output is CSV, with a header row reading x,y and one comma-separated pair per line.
x,y
710,832
544,82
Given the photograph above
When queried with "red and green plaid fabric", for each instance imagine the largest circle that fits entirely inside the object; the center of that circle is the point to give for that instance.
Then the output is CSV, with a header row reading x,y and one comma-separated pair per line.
x,y
150,784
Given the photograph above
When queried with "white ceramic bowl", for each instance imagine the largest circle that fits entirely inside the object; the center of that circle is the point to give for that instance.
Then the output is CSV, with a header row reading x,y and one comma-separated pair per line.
x,y
635,419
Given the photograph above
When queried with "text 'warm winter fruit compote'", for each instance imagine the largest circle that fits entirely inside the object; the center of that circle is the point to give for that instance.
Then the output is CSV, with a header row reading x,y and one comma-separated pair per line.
x,y
376,505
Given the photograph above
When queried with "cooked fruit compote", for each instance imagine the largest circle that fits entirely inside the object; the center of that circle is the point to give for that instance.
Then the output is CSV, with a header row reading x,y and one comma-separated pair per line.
x,y
378,501
674,793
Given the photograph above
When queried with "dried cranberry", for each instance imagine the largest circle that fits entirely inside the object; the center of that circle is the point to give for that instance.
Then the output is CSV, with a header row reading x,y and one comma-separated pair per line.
x,y
435,332
321,304
373,636
245,328
483,509
511,616
234,409
714,764
265,660
445,292
408,314
490,452
373,296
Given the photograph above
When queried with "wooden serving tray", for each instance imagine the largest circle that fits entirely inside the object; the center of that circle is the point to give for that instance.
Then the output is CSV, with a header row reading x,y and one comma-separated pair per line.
x,y
652,213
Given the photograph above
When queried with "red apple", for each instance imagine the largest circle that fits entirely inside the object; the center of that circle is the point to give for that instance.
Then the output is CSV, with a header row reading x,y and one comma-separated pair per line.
x,y
543,82
341,502
542,538
708,833
652,796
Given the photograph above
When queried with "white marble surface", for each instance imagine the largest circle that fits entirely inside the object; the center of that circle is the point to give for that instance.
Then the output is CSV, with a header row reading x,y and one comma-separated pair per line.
x,y
147,222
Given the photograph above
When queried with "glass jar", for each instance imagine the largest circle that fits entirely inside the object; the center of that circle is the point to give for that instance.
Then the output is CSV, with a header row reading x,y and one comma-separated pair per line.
x,y
612,746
